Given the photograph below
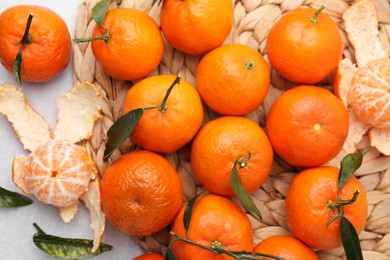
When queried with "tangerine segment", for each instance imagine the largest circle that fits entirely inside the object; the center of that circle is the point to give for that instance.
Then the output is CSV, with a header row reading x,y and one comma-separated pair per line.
x,y
58,173
214,219
307,212
220,143
307,126
369,96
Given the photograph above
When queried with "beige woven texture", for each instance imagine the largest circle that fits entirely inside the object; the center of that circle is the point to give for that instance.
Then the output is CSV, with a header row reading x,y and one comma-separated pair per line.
x,y
253,20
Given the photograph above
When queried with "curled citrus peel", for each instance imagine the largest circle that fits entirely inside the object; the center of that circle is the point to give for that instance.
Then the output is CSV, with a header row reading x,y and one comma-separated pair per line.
x,y
364,86
58,171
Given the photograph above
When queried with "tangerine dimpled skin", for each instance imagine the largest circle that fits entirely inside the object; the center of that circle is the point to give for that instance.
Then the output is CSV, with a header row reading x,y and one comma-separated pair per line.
x,y
304,51
141,193
306,206
50,50
220,143
135,47
307,126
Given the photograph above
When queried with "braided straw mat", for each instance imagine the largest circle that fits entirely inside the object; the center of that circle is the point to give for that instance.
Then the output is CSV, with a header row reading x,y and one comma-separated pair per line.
x,y
253,19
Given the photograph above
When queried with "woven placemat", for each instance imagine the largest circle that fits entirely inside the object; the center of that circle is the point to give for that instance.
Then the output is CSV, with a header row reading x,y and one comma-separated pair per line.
x,y
253,19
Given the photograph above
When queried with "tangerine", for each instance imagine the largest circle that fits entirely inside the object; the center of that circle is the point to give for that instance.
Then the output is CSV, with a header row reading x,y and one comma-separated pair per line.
x,y
223,141
307,126
57,173
141,193
286,247
308,211
230,74
215,221
48,49
198,26
134,35
149,257
299,46
170,128
369,94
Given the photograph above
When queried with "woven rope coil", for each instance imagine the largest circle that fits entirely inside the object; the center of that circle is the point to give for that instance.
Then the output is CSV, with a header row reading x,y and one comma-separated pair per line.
x,y
253,20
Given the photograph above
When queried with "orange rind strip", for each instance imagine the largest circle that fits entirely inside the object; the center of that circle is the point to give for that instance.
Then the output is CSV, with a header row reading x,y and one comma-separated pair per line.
x,y
31,128
78,111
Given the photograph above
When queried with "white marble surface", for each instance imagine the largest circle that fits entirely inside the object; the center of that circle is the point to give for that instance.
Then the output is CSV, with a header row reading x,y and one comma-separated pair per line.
x,y
16,229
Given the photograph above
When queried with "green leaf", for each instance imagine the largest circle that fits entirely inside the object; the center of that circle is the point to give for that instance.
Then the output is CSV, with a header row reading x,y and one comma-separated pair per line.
x,y
18,66
241,193
169,255
188,213
67,248
121,130
350,240
10,199
348,166
99,11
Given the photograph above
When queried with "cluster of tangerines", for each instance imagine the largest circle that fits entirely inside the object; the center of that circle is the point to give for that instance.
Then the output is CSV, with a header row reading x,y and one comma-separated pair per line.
x,y
141,192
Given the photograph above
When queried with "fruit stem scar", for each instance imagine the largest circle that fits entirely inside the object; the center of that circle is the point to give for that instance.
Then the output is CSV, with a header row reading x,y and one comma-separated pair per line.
x,y
242,161
250,65
314,18
163,106
317,127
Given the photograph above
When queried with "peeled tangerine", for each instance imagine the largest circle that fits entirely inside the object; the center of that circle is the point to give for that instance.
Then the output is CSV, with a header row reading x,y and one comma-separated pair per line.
x,y
58,171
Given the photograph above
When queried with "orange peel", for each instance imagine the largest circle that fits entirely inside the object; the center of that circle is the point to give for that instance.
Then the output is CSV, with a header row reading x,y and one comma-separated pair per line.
x,y
79,107
361,25
31,128
58,171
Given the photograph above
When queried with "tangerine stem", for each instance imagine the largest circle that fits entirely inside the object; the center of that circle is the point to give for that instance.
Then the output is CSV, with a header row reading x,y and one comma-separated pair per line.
x,y
341,203
163,106
105,37
314,18
27,39
242,161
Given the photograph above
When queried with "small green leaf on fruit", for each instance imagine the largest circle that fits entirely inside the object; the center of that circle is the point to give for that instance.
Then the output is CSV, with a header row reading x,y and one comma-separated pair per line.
x,y
188,213
241,193
169,255
350,240
18,67
67,248
121,130
9,199
99,11
348,166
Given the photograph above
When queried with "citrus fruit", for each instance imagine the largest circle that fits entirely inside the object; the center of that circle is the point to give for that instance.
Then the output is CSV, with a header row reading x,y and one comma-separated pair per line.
x,y
230,74
170,128
307,207
299,46
307,126
287,247
198,26
215,221
48,50
223,141
141,193
369,94
135,47
57,173
149,257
